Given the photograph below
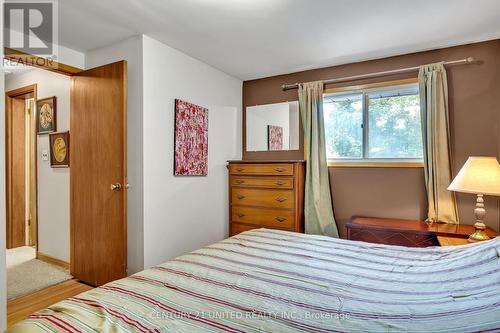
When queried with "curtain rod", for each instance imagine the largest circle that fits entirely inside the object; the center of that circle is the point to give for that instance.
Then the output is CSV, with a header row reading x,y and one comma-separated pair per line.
x,y
468,60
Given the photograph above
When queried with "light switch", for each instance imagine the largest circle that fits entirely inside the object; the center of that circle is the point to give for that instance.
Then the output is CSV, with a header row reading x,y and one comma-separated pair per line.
x,y
45,155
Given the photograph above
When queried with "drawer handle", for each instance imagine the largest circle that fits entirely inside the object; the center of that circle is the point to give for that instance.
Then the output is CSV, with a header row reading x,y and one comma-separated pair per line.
x,y
280,219
239,196
281,199
240,214
239,181
240,169
279,169
279,183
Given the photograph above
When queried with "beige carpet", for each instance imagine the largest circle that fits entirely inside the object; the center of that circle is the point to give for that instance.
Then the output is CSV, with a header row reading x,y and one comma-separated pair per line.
x,y
25,274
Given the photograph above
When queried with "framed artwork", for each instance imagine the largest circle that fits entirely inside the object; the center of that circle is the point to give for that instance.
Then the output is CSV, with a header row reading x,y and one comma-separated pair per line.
x,y
59,149
191,139
46,115
274,137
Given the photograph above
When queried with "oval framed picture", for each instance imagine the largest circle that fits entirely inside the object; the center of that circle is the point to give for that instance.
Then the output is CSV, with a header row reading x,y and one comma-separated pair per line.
x,y
59,149
46,115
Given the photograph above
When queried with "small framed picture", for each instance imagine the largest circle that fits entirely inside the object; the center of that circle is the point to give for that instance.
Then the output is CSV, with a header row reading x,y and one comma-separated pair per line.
x,y
46,115
59,150
274,137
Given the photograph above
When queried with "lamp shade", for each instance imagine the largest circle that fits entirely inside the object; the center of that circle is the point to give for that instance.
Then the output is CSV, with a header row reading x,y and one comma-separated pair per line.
x,y
479,175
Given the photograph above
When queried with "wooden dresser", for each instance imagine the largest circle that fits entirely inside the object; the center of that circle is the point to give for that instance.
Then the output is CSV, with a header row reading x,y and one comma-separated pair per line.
x,y
409,232
266,194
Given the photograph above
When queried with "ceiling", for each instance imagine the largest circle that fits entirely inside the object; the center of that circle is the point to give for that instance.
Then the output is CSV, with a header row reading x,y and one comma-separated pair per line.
x,y
257,38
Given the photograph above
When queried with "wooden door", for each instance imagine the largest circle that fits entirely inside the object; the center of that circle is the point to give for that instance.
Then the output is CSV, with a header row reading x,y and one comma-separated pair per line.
x,y
16,161
16,138
98,160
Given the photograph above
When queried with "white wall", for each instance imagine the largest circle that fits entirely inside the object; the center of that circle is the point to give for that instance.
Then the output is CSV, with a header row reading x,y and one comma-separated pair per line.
x,y
182,214
162,222
130,50
70,57
53,183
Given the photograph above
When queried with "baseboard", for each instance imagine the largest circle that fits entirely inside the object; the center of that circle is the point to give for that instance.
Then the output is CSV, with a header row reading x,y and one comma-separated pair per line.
x,y
51,260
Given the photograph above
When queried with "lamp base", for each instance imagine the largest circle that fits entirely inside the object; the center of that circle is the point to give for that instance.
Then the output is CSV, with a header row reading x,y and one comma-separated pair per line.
x,y
479,212
479,234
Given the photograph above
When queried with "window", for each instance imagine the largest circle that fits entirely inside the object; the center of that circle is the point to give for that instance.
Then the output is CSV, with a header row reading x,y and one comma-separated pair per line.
x,y
380,124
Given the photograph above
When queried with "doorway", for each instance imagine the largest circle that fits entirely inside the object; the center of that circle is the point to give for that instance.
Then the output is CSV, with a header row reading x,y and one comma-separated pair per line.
x,y
27,271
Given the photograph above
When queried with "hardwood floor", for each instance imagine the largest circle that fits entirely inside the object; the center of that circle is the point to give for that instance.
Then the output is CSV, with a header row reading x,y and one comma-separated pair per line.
x,y
20,308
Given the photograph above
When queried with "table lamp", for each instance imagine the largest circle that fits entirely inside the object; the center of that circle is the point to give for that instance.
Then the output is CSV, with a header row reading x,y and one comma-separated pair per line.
x,y
480,175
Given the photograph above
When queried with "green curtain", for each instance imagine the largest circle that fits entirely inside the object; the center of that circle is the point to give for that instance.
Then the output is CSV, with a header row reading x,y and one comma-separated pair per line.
x,y
318,209
436,141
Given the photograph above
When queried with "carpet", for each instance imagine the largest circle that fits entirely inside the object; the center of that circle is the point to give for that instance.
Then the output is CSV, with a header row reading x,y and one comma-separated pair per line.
x,y
26,274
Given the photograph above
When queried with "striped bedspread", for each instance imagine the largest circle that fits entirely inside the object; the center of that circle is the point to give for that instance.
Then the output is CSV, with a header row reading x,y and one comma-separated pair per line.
x,y
275,281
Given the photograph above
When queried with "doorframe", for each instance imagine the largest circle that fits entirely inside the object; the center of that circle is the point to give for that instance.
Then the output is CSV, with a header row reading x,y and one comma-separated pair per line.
x,y
50,65
9,96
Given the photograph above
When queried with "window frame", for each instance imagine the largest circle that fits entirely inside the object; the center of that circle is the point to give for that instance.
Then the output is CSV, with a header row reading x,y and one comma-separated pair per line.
x,y
366,161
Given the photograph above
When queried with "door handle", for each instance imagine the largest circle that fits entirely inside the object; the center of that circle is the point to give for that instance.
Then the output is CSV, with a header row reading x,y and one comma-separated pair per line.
x,y
280,219
239,196
280,169
239,181
118,186
279,183
281,199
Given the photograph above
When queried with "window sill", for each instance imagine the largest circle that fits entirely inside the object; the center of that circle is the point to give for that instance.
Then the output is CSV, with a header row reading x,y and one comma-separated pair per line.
x,y
374,164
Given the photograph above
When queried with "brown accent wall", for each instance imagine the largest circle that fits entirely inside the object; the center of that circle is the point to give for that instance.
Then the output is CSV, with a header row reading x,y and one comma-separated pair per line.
x,y
474,98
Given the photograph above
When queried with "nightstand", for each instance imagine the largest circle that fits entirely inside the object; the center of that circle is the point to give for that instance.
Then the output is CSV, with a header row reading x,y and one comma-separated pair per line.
x,y
409,232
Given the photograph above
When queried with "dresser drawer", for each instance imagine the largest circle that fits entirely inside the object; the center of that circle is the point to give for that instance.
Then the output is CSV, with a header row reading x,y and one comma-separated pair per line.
x,y
236,228
266,182
273,218
261,169
262,198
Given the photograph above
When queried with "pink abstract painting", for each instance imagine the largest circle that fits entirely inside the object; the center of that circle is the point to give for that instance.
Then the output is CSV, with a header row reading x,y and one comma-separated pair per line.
x,y
274,137
191,139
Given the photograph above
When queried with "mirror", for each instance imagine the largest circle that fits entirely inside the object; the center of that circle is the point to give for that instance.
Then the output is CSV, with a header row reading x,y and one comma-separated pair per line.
x,y
272,127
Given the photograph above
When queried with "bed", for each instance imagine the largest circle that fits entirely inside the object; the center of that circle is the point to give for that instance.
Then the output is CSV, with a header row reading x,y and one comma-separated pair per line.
x,y
275,281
